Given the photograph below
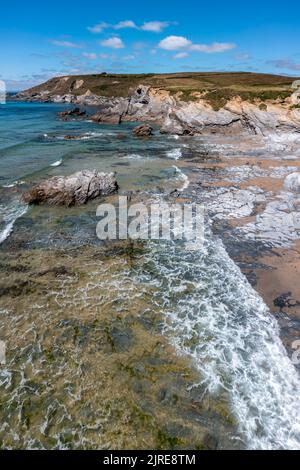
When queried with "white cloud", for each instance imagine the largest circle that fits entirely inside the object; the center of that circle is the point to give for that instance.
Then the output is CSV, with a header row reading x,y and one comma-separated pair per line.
x,y
212,48
66,44
155,26
114,43
98,28
173,43
180,55
129,57
125,24
90,55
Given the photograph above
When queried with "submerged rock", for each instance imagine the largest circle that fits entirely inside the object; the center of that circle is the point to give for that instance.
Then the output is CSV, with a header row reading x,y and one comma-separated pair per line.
x,y
76,189
143,131
74,137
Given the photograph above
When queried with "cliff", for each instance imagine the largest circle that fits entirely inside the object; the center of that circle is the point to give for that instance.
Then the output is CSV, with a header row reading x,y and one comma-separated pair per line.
x,y
183,103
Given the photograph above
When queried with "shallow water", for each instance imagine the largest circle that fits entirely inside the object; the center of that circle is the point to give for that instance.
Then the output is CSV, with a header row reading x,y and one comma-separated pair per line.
x,y
92,328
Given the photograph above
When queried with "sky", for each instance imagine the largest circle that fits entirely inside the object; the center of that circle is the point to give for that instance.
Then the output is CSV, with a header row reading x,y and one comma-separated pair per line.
x,y
46,39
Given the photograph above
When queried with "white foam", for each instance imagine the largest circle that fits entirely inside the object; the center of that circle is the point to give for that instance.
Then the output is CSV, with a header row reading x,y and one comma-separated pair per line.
x,y
58,163
9,216
182,176
12,185
85,136
284,142
226,329
175,154
133,156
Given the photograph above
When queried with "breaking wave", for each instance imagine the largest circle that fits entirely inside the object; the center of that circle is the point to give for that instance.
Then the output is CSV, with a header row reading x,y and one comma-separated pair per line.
x,y
8,216
215,317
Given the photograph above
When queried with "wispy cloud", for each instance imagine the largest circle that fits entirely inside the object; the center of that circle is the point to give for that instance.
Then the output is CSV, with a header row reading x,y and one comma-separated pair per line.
x,y
284,64
114,43
174,43
155,26
98,28
90,55
69,44
129,57
244,56
181,55
212,48
152,26
125,24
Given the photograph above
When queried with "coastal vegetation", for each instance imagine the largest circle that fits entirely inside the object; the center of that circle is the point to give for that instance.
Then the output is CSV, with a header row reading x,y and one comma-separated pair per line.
x,y
217,88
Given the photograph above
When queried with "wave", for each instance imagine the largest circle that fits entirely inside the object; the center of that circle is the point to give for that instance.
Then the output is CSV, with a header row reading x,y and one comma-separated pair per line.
x,y
58,163
215,317
133,156
74,137
286,142
12,185
175,153
10,214
182,176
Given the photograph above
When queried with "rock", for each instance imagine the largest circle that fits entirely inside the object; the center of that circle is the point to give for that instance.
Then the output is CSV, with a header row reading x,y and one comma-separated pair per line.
x,y
72,112
107,118
76,189
73,137
143,131
292,182
286,300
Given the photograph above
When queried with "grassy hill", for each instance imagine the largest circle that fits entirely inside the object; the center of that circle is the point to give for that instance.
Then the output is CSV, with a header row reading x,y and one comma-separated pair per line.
x,y
217,87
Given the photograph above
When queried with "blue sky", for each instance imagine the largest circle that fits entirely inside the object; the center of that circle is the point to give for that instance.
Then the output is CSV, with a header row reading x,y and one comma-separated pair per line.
x,y
66,37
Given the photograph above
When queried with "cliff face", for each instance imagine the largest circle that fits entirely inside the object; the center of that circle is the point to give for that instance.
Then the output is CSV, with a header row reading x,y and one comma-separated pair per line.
x,y
269,107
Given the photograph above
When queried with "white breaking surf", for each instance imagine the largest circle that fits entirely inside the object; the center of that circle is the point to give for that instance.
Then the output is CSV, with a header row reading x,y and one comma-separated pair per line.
x,y
8,216
214,316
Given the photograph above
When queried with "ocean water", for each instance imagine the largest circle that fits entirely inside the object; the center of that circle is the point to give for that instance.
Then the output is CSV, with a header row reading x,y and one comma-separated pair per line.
x,y
206,308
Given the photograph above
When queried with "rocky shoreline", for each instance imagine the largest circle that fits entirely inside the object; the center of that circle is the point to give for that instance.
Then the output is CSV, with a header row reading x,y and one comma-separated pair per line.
x,y
175,115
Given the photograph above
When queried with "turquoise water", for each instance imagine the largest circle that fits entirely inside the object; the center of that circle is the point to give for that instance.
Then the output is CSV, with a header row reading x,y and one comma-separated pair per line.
x,y
32,139
33,147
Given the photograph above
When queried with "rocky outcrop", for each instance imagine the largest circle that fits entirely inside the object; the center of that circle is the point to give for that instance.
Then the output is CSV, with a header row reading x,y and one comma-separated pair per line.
x,y
143,131
75,112
76,189
106,118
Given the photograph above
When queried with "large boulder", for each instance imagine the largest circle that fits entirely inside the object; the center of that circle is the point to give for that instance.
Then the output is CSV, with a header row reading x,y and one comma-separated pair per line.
x,y
292,182
143,131
76,189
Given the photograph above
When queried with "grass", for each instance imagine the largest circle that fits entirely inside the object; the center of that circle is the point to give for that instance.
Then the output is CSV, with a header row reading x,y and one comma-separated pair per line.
x,y
217,88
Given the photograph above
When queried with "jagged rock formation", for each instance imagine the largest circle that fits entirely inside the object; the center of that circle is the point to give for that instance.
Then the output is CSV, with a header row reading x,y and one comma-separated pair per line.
x,y
76,189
